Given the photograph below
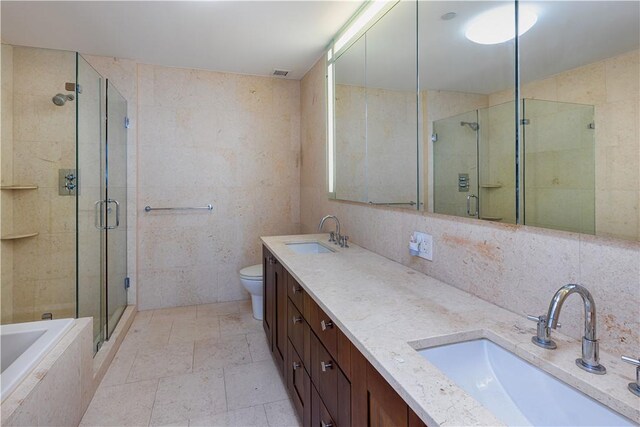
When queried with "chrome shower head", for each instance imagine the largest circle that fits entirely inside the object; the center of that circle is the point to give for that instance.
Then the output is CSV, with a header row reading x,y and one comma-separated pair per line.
x,y
60,98
474,126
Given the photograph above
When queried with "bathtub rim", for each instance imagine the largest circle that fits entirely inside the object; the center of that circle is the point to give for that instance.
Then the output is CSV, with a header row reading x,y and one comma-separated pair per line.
x,y
24,364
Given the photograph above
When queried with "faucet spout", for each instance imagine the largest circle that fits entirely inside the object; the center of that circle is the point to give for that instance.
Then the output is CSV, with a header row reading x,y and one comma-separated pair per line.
x,y
590,360
589,308
335,218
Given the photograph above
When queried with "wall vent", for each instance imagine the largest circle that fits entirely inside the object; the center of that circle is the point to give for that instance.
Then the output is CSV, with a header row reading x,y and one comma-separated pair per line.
x,y
280,73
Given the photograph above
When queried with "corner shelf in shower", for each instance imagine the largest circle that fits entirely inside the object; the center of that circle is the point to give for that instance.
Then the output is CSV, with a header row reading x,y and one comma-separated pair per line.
x,y
19,187
18,236
490,185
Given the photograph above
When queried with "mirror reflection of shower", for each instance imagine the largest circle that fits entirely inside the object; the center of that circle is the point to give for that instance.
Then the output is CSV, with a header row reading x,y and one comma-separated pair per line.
x,y
61,98
474,126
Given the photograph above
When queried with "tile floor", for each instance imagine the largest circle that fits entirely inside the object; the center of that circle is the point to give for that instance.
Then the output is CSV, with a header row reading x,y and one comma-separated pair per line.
x,y
205,365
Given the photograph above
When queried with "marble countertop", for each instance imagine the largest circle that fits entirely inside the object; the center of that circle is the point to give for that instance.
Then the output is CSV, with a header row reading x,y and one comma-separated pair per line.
x,y
388,311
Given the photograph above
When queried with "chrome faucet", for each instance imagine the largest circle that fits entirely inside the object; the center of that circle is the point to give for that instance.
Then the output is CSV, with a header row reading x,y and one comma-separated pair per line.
x,y
590,360
332,237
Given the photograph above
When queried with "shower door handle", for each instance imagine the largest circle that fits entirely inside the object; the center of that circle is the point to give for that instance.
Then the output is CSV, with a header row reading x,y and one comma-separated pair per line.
x,y
111,227
469,205
99,216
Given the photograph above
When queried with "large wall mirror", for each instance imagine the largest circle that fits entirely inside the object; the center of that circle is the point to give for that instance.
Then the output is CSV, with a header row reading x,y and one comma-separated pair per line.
x,y
564,154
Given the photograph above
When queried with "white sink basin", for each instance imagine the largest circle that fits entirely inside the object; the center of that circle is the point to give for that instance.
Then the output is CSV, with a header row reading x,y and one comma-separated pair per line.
x,y
309,248
515,391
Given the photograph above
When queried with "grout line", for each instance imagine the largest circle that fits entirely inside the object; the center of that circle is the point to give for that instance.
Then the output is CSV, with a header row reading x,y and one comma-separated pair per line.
x,y
155,396
224,382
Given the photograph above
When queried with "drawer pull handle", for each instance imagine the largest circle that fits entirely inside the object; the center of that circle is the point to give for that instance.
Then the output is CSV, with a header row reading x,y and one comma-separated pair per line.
x,y
326,325
296,319
296,289
326,366
296,365
323,424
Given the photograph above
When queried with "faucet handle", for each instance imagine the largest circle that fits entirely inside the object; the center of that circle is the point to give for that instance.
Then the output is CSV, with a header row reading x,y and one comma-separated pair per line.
x,y
332,236
538,318
543,335
631,360
634,387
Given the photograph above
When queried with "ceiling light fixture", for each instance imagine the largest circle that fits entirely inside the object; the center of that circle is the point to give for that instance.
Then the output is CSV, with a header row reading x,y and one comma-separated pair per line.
x,y
498,25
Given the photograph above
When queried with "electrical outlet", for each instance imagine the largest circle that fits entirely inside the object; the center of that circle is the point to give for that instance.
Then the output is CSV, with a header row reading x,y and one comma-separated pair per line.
x,y
425,245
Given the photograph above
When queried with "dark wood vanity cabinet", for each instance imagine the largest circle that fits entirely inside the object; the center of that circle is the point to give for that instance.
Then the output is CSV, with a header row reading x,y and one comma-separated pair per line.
x,y
275,307
330,382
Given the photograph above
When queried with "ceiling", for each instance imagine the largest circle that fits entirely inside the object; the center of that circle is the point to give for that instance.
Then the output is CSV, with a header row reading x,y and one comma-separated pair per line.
x,y
247,37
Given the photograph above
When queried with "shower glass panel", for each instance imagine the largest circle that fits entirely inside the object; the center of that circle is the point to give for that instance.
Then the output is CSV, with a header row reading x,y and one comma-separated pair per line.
x,y
559,165
496,167
116,207
91,237
455,165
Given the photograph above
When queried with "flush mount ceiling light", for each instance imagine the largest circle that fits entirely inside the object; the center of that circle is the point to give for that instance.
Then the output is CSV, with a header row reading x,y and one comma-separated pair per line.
x,y
498,25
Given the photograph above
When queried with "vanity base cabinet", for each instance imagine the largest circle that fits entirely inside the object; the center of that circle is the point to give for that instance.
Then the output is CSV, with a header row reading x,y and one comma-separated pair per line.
x,y
275,307
330,382
268,296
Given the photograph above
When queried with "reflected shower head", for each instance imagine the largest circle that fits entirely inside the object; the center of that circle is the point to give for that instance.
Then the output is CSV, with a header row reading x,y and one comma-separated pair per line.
x,y
472,125
61,98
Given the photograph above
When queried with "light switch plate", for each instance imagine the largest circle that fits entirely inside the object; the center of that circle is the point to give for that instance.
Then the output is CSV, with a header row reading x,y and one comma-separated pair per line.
x,y
425,245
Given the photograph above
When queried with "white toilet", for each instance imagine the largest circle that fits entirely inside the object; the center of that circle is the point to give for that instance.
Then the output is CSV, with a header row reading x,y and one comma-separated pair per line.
x,y
251,278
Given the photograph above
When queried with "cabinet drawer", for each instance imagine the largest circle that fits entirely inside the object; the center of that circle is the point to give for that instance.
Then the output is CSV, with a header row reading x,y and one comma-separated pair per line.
x,y
299,385
324,374
296,293
324,328
320,416
296,328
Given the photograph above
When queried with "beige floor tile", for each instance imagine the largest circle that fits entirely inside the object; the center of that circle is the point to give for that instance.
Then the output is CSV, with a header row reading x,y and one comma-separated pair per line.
x,y
147,335
247,417
142,318
189,396
282,414
120,367
189,330
221,352
162,361
222,308
258,346
252,384
239,323
122,405
174,313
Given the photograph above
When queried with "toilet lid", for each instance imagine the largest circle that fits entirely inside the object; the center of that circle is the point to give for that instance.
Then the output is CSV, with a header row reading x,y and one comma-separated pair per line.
x,y
253,272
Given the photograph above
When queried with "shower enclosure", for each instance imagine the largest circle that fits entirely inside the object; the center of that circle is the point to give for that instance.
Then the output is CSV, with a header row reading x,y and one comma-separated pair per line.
x,y
473,165
474,162
63,200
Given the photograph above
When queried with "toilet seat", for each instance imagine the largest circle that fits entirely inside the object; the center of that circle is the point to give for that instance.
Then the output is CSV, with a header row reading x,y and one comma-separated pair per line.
x,y
253,272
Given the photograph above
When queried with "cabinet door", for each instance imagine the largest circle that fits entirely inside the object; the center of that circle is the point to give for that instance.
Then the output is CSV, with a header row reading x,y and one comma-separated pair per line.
x,y
386,407
268,297
280,313
299,385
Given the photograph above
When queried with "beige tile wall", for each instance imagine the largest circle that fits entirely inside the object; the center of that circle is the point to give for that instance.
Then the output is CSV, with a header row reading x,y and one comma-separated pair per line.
x,y
208,137
516,267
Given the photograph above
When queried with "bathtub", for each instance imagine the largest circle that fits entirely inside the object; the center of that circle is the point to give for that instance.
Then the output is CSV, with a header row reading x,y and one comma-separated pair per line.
x,y
23,346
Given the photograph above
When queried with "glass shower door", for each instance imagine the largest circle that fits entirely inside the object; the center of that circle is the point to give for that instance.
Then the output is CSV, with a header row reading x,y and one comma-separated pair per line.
x,y
116,206
559,165
90,166
455,165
